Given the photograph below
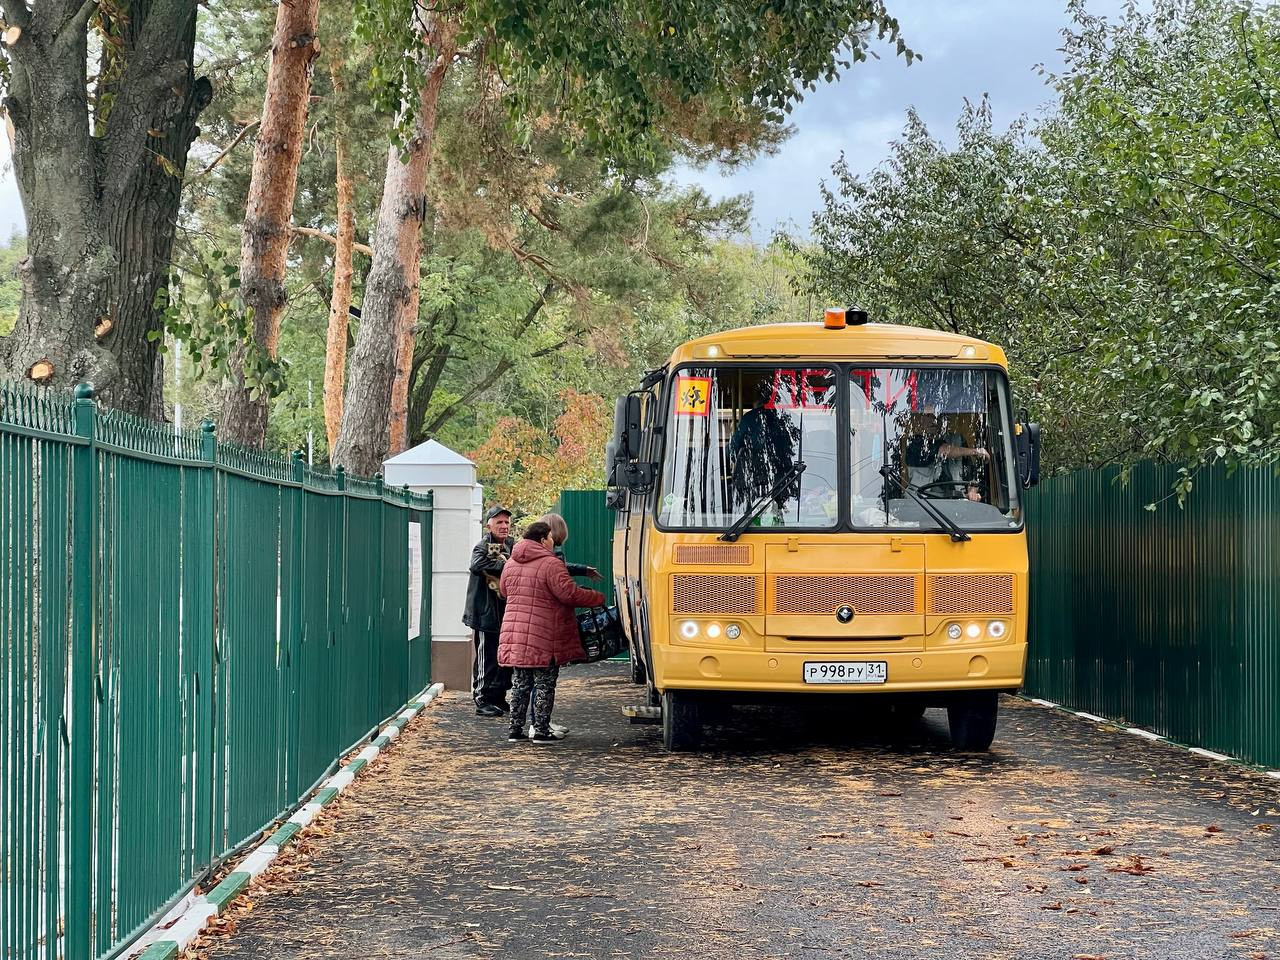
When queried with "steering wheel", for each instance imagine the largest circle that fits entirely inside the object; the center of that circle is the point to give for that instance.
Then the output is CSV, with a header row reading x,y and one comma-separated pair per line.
x,y
924,490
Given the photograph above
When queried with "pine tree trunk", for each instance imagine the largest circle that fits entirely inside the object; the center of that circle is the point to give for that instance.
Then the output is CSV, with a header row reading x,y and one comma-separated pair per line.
x,y
335,355
264,245
392,286
101,193
397,425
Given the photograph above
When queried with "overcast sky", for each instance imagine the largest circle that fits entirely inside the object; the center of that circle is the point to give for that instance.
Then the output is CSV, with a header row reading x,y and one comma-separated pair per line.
x,y
970,47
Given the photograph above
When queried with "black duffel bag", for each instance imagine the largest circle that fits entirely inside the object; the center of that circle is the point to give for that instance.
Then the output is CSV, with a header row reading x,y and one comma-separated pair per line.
x,y
601,633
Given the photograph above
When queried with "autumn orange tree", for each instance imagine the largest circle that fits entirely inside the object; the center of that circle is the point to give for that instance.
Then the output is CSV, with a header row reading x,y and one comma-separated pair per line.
x,y
525,468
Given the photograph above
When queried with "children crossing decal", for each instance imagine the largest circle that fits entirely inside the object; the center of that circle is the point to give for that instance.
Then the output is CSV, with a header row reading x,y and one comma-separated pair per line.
x,y
693,396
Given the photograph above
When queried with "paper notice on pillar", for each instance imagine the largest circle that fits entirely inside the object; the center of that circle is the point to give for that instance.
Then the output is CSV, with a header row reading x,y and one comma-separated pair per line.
x,y
415,578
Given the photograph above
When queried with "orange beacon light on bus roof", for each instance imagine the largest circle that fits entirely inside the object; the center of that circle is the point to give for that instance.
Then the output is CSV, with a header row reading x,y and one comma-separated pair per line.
x,y
833,318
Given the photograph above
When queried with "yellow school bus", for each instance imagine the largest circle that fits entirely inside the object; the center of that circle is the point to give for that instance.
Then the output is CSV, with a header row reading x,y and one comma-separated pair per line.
x,y
811,508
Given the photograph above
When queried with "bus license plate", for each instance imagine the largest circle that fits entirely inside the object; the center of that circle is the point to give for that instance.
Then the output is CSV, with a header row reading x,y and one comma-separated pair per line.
x,y
846,671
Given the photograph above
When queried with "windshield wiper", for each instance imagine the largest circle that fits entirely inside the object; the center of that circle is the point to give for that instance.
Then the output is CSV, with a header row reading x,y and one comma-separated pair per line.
x,y
958,533
735,531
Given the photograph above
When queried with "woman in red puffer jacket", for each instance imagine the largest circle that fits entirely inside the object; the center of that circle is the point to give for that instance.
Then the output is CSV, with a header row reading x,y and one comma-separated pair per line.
x,y
539,630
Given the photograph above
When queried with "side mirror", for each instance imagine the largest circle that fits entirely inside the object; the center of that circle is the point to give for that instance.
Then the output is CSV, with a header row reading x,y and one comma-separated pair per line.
x,y
631,428
1027,448
611,463
619,420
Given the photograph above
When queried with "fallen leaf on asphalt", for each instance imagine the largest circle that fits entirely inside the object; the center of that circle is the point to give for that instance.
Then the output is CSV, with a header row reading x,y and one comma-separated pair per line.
x,y
870,883
503,886
1133,865
1213,828
1052,906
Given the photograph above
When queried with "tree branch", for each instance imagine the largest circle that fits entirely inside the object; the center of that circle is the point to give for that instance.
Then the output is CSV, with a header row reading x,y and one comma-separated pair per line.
x,y
77,23
494,375
231,146
16,13
330,238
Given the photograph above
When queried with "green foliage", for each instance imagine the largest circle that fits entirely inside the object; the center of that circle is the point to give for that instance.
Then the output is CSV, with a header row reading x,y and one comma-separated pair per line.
x,y
620,264
1126,249
201,308
11,252
626,72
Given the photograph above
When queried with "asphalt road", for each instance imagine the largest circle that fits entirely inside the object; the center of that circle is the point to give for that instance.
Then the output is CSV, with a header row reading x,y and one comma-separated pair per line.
x,y
820,833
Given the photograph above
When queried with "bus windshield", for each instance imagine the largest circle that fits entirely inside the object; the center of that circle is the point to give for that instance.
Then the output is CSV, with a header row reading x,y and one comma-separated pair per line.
x,y
735,431
942,433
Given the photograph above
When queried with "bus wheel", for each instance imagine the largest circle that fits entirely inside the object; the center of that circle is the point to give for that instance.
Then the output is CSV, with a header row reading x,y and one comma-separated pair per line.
x,y
681,722
972,720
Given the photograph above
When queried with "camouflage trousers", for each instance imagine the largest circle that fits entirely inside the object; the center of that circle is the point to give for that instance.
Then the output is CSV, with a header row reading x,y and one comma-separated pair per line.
x,y
536,684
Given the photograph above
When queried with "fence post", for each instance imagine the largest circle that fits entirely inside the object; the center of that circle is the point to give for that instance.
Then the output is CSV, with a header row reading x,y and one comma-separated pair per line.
x,y
428,577
204,777
79,929
341,474
297,636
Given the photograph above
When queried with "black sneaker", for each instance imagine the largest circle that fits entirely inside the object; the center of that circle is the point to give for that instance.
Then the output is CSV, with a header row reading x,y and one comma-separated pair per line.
x,y
503,706
552,737
487,710
517,736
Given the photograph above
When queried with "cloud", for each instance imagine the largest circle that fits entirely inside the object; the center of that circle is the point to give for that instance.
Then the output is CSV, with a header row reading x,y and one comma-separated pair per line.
x,y
969,49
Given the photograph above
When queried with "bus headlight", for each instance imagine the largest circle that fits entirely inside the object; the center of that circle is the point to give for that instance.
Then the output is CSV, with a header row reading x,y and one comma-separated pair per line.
x,y
954,630
973,631
733,631
996,629
713,630
688,629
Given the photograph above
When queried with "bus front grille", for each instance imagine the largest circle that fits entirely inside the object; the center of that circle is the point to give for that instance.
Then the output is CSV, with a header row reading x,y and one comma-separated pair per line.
x,y
958,593
714,593
817,594
713,553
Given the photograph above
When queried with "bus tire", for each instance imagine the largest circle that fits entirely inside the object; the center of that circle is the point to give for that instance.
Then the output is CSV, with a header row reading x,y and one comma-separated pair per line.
x,y
681,721
972,719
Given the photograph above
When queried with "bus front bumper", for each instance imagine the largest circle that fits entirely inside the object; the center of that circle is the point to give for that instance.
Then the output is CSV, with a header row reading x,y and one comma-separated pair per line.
x,y
996,667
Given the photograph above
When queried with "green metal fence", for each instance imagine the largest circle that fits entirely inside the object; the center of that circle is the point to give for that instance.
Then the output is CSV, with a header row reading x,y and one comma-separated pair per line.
x,y
1167,618
190,635
590,525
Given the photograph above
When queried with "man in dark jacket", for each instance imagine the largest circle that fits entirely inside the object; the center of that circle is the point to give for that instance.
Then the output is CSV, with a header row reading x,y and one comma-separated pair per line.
x,y
483,614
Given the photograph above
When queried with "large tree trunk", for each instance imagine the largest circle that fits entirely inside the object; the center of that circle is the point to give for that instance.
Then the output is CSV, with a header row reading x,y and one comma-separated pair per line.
x,y
335,354
392,286
100,189
398,422
264,245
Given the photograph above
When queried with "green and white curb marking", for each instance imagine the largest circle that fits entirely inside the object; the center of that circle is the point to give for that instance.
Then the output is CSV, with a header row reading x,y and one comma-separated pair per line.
x,y
1149,735
174,932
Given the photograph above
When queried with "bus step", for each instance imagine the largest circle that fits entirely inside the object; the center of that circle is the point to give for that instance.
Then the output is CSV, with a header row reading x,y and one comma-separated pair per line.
x,y
639,714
